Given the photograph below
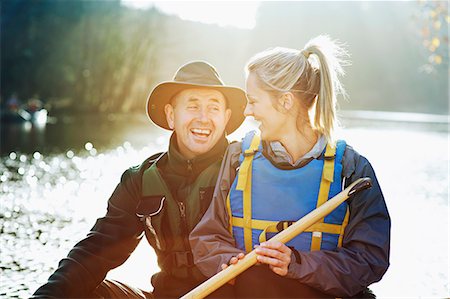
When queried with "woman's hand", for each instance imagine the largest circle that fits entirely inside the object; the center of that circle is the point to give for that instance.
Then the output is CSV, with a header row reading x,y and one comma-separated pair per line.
x,y
233,261
276,255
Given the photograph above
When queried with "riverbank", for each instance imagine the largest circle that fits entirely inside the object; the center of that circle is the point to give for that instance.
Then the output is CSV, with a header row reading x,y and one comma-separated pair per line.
x,y
70,132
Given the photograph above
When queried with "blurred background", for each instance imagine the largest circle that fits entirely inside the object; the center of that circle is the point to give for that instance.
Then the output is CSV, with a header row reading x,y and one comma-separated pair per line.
x,y
75,76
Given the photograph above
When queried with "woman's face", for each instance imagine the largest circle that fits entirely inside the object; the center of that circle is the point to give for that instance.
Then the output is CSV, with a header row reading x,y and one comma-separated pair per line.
x,y
259,105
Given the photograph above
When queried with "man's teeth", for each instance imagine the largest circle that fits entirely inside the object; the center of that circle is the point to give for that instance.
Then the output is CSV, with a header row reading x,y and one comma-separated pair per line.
x,y
200,131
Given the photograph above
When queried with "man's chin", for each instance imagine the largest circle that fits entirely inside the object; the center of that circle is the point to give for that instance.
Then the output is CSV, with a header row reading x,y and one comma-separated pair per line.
x,y
201,148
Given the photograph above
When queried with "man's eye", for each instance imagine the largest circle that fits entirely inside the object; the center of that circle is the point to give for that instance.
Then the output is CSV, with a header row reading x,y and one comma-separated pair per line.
x,y
192,107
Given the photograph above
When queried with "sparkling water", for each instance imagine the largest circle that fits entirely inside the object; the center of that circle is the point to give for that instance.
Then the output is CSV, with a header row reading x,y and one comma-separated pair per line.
x,y
50,201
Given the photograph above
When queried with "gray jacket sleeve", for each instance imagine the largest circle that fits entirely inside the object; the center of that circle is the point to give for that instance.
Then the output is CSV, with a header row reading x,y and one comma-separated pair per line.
x,y
364,255
362,260
211,242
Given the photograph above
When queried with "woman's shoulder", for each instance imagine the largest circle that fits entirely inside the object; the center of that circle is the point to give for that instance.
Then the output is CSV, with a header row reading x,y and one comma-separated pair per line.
x,y
233,152
352,161
234,146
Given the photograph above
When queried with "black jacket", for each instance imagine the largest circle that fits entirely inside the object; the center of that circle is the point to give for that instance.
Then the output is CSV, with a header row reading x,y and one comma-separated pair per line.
x,y
115,236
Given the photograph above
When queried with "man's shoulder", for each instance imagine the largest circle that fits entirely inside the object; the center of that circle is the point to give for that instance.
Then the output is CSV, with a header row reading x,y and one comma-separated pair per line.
x,y
152,159
137,170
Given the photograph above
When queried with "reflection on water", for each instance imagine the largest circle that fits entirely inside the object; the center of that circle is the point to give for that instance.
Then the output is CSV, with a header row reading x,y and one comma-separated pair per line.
x,y
72,132
50,201
413,170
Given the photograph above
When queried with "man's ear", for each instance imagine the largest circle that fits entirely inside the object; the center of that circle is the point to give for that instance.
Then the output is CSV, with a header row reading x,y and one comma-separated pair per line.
x,y
227,116
168,110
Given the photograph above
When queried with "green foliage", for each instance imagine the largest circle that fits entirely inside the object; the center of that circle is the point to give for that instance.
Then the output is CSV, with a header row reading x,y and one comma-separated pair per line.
x,y
103,56
92,53
389,64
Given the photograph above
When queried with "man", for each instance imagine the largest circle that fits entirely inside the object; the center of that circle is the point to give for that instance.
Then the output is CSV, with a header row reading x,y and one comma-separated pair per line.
x,y
164,197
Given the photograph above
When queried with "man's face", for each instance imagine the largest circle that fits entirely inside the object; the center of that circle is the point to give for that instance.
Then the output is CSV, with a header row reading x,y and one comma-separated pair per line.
x,y
198,116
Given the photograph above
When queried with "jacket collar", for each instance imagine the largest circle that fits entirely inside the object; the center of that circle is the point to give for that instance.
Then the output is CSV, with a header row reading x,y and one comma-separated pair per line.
x,y
186,167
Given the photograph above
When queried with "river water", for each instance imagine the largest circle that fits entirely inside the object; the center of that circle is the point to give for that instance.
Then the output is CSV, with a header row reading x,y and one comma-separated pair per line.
x,y
55,181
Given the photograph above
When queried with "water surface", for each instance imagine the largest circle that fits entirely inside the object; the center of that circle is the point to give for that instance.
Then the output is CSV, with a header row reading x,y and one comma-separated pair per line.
x,y
53,188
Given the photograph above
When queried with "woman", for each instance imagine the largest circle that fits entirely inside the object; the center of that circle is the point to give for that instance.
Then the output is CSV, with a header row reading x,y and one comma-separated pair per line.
x,y
297,166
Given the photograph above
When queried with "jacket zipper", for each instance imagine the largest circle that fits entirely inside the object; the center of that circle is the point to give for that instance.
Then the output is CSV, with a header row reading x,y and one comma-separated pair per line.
x,y
184,224
182,208
184,229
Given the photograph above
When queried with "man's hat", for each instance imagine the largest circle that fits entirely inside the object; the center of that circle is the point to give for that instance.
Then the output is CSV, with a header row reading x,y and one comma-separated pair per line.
x,y
194,75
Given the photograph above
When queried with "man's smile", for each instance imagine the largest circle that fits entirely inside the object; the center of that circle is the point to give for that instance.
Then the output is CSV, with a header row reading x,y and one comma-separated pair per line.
x,y
202,133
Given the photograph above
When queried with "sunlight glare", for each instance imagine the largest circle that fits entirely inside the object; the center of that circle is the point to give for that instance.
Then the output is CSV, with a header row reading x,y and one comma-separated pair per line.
x,y
232,13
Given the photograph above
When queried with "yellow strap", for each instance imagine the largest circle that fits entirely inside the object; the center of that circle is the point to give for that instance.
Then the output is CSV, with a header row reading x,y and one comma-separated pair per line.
x,y
247,211
327,176
325,228
271,227
328,167
344,224
262,235
228,204
324,190
244,169
256,224
244,184
317,229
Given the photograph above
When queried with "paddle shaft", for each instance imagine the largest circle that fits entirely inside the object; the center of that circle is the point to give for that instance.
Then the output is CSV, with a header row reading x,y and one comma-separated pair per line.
x,y
284,236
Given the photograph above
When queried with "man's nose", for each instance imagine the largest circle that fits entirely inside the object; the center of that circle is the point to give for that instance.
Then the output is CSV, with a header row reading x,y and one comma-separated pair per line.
x,y
203,115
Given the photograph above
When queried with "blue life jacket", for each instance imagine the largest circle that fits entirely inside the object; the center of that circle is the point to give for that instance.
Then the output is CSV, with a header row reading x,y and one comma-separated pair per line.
x,y
265,199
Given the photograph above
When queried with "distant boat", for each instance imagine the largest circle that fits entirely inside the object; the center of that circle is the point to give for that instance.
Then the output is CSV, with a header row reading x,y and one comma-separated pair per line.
x,y
21,115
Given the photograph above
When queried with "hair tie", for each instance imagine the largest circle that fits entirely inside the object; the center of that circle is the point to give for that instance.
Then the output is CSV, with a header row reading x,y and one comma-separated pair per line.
x,y
306,53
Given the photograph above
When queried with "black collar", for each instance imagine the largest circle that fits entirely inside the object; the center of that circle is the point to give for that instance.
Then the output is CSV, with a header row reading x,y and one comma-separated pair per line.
x,y
186,167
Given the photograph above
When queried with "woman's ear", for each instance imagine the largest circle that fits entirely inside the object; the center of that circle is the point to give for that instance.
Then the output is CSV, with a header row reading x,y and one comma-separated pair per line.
x,y
286,100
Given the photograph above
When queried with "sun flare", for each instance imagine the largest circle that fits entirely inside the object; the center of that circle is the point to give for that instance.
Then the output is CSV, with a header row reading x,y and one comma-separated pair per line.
x,y
240,14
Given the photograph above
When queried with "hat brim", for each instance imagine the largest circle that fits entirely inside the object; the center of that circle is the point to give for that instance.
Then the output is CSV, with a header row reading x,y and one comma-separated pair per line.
x,y
163,93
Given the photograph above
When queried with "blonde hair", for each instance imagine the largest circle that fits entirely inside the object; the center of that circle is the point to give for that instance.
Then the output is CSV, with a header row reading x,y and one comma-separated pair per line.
x,y
308,77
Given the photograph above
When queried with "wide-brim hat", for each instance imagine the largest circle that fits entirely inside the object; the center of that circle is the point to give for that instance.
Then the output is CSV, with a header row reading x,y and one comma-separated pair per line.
x,y
194,75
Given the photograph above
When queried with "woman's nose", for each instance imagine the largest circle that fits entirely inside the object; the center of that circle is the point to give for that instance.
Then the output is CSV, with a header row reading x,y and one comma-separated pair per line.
x,y
248,110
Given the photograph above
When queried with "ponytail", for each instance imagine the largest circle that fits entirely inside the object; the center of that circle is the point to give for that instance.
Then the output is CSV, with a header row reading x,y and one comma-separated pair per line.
x,y
289,70
329,57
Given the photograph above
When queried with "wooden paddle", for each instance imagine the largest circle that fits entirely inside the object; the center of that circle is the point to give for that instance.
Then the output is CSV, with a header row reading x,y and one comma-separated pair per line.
x,y
284,236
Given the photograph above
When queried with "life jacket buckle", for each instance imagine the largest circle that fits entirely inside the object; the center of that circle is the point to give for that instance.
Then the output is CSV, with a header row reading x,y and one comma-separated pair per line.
x,y
329,158
148,207
282,225
249,153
